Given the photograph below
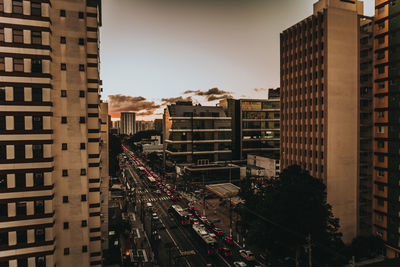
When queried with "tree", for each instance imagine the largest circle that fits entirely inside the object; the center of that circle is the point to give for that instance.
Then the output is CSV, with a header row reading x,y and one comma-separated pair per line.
x,y
288,209
366,247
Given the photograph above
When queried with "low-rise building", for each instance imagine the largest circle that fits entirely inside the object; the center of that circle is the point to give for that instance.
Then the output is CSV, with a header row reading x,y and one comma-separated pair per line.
x,y
262,166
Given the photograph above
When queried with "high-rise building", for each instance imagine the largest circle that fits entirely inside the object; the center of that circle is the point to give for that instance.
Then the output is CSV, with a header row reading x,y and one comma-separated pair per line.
x,y
194,134
127,123
255,125
320,118
158,125
144,126
49,123
386,130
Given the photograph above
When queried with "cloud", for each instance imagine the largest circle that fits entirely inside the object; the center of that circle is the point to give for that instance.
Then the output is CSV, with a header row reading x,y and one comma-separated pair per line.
x,y
173,100
211,94
261,89
122,103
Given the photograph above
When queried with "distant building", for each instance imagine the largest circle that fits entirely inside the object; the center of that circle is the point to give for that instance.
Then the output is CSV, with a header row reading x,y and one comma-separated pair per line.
x,y
144,126
153,144
158,123
255,125
261,166
128,123
115,129
194,134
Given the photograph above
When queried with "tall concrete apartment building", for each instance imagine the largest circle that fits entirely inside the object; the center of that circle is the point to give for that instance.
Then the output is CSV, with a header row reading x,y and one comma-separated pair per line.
x,y
127,123
320,116
386,131
195,134
255,125
50,133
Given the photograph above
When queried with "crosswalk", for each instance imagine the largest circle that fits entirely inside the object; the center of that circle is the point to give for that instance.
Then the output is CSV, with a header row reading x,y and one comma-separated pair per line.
x,y
153,199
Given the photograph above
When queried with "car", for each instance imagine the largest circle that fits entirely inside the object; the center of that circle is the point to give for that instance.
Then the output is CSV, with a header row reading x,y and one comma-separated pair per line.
x,y
195,221
218,231
158,191
247,254
154,216
239,264
213,235
203,219
226,252
228,240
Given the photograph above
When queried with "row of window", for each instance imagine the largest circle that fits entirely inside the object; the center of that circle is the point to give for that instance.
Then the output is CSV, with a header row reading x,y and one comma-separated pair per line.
x,y
292,55
63,40
303,78
20,180
310,166
18,36
287,47
21,208
304,140
19,94
19,123
306,65
310,128
18,65
301,103
18,7
40,261
307,153
293,92
20,152
65,172
306,115
304,27
22,237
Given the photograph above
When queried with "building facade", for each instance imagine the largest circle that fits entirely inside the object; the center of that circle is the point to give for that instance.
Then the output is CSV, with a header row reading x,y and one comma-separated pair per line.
x,y
320,103
195,134
255,125
49,123
127,123
144,126
158,123
386,145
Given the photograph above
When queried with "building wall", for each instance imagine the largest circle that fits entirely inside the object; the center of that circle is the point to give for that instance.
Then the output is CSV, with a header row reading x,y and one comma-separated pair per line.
x,y
128,123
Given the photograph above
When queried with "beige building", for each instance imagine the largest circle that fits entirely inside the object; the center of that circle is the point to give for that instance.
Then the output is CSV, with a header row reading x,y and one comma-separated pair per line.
x,y
320,103
50,202
127,123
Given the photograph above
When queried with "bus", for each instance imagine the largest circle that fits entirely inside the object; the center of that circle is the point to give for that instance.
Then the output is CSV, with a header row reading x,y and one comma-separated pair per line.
x,y
209,243
181,215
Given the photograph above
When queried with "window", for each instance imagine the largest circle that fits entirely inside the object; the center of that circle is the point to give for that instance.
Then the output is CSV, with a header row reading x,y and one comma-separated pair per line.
x,y
20,180
84,223
381,10
81,41
81,93
62,13
4,239
64,173
82,120
381,144
380,217
37,151
2,122
1,6
381,129
36,9
83,171
40,235
2,35
66,251
3,181
381,85
37,94
380,55
66,225
63,66
40,261
381,69
381,114
381,100
17,7
36,66
81,67
36,37
2,64
3,210
37,123
2,94
39,207
21,208
65,199
63,120
381,202
22,237
381,40
63,40
83,146
63,93
19,94
18,64
18,36
381,187
381,158
22,262
64,146
19,151
381,25
83,198
3,152
81,15
381,173
38,179
84,248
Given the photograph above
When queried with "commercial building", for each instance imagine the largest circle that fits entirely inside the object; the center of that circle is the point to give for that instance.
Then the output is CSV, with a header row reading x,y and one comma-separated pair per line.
x,y
386,130
255,125
50,133
127,123
320,99
196,134
144,126
260,166
158,123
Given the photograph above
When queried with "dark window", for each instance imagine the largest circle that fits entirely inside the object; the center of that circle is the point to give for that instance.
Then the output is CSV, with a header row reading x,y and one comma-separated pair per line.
x,y
40,235
63,120
19,94
81,67
65,199
19,151
2,94
66,251
37,123
3,152
36,37
20,180
381,40
381,144
2,64
2,123
1,6
37,151
83,198
18,36
40,261
39,207
83,171
81,93
37,95
83,146
3,181
81,41
84,223
18,64
62,13
19,122
81,15
64,173
36,66
21,209
63,40
84,248
1,34
381,202
17,8
82,120
66,225
22,262
381,158
3,209
4,239
36,9
38,178
63,93
63,66
64,146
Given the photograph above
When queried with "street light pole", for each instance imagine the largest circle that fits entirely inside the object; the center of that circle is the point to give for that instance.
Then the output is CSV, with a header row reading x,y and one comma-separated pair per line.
x,y
230,216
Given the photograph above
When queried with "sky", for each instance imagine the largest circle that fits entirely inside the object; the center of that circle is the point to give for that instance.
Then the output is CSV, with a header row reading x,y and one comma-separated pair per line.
x,y
154,52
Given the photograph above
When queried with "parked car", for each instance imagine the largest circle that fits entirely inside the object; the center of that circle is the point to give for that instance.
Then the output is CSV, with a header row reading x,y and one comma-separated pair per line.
x,y
247,254
226,252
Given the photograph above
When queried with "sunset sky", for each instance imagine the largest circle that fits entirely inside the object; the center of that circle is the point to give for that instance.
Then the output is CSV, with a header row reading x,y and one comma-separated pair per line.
x,y
154,52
